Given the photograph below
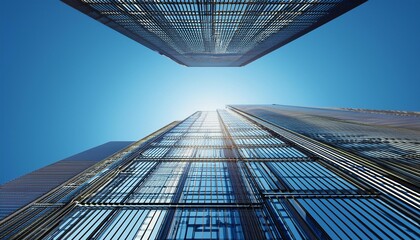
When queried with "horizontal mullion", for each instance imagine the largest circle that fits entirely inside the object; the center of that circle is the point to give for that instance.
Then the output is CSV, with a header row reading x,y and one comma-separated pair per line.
x,y
167,205
317,195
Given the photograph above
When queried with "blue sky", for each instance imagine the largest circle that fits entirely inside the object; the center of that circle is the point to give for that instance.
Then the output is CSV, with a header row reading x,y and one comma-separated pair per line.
x,y
69,83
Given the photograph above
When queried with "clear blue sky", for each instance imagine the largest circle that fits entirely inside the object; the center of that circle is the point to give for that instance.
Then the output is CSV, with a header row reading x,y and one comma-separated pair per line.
x,y
69,83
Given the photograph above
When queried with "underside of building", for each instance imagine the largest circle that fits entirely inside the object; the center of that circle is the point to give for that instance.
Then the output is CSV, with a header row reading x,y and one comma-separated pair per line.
x,y
213,33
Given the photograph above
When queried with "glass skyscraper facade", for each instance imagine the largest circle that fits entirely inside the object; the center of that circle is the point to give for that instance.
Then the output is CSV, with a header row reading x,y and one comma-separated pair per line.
x,y
388,140
226,174
217,32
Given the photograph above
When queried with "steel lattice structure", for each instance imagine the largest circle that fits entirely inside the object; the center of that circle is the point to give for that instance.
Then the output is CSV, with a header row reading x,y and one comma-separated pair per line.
x,y
214,32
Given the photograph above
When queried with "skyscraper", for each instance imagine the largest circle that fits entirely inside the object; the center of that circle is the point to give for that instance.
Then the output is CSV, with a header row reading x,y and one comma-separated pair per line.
x,y
213,33
246,172
389,141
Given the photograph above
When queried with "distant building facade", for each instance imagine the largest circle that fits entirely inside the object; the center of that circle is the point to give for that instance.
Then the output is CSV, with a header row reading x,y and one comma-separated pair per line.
x,y
246,172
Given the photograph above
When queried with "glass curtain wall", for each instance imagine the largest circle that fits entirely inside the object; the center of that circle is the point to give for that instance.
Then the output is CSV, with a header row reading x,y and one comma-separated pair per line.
x,y
217,175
